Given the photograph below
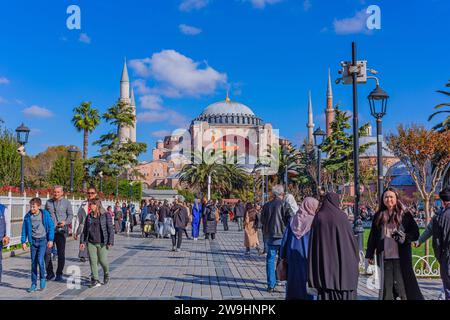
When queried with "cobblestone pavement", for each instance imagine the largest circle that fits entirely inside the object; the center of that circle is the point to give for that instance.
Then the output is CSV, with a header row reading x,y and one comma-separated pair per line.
x,y
145,268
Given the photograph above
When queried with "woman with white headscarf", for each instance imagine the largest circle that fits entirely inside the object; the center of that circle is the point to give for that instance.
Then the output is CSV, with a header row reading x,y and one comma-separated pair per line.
x,y
294,250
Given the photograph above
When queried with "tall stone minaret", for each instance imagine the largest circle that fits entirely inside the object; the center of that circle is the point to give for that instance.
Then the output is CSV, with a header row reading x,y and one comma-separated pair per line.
x,y
329,111
124,131
133,106
310,124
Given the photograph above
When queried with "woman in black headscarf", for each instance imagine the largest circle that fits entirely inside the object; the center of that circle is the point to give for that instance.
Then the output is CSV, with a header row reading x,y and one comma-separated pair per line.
x,y
393,231
333,253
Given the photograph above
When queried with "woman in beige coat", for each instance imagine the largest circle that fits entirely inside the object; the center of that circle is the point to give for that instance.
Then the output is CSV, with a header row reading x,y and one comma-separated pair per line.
x,y
250,229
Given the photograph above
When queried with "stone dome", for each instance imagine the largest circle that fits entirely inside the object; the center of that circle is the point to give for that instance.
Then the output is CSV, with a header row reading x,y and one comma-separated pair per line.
x,y
229,112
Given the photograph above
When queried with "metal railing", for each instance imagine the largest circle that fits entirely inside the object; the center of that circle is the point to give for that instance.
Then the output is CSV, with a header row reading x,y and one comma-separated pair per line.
x,y
17,207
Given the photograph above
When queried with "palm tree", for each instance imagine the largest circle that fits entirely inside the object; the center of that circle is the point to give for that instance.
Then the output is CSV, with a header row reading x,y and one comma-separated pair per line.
x,y
444,125
85,119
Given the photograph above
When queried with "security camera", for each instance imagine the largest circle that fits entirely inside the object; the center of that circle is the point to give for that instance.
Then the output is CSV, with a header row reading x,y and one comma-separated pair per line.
x,y
21,150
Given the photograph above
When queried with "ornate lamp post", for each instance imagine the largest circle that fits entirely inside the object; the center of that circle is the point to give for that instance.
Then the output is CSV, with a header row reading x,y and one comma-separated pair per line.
x,y
23,133
72,155
319,136
378,103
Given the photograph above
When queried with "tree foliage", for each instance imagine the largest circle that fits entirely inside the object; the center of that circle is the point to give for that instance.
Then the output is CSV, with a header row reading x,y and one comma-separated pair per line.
x,y
9,159
445,124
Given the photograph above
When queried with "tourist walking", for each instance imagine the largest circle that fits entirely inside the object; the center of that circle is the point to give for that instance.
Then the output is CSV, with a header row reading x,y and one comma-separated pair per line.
x,y
273,219
333,259
118,217
61,212
224,215
4,238
290,206
97,237
239,211
83,212
251,229
180,221
196,217
164,212
294,250
210,216
393,230
204,204
143,215
441,240
38,230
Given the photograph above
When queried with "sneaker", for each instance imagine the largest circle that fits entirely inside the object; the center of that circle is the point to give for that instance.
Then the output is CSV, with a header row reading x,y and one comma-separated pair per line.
x,y
95,284
106,279
195,239
270,290
177,250
50,277
83,259
173,248
59,278
42,284
32,289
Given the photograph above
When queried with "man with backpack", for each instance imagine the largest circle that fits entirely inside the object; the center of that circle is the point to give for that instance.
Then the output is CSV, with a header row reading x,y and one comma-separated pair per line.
x,y
211,220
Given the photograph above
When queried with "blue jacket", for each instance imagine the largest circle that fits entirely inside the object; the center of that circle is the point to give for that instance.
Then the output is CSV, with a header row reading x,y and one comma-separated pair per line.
x,y
2,222
27,227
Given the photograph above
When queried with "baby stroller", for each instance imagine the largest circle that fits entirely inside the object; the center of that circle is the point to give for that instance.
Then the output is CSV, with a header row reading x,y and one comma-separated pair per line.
x,y
150,226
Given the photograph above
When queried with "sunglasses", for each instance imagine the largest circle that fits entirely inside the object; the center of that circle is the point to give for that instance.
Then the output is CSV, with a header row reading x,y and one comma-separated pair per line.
x,y
91,192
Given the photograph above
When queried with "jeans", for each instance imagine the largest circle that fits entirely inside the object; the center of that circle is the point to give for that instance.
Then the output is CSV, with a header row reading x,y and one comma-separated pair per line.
x,y
178,237
98,253
60,242
272,252
445,276
161,228
38,250
240,221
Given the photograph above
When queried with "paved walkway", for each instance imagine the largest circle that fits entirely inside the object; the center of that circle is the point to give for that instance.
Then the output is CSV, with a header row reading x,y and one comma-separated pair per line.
x,y
147,269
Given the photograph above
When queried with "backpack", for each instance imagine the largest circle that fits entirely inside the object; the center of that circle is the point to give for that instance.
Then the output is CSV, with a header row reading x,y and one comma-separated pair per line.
x,y
211,214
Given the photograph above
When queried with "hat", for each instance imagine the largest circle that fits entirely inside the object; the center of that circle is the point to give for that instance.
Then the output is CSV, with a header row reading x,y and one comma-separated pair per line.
x,y
445,194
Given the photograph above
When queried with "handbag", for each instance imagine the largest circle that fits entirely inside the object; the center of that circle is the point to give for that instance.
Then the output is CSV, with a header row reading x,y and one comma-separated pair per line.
x,y
282,269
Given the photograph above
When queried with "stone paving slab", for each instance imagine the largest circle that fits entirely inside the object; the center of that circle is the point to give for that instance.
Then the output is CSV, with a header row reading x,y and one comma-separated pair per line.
x,y
145,268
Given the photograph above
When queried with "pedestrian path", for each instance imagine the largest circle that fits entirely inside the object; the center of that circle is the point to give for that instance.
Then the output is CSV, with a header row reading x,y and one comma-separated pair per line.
x,y
147,269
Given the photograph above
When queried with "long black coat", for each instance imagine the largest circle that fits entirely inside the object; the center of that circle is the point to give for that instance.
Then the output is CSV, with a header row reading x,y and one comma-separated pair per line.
x,y
375,245
211,225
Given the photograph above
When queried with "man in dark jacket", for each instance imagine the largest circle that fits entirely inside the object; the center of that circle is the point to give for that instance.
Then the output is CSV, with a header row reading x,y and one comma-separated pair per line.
x,y
4,239
180,221
62,215
224,212
441,240
163,213
273,219
239,211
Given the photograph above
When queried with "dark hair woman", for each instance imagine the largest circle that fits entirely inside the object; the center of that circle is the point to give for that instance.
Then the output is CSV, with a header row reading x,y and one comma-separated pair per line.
x,y
250,228
98,238
393,230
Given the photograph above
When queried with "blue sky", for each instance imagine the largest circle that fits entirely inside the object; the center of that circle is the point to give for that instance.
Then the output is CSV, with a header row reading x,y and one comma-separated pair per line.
x,y
183,54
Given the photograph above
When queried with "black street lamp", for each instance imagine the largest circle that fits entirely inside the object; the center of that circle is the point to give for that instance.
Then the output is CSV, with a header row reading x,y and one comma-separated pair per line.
x,y
73,154
23,133
378,103
319,136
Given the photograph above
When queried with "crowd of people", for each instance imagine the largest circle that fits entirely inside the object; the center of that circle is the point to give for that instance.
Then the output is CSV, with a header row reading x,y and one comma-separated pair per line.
x,y
310,245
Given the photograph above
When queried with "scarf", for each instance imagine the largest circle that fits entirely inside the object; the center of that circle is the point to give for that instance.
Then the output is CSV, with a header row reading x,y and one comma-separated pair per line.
x,y
301,222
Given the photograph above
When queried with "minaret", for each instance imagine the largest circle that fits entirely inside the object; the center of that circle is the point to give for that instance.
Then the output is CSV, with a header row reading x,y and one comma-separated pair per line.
x,y
310,124
329,111
124,132
133,106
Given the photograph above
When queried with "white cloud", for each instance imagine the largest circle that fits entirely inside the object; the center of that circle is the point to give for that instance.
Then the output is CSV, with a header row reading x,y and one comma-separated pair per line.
x,y
260,4
161,133
355,24
151,102
37,112
170,116
4,80
141,87
189,30
178,75
189,5
307,5
84,38
35,132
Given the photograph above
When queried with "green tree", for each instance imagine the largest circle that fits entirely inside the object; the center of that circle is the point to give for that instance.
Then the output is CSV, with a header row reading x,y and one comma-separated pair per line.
x,y
60,172
85,120
338,164
444,125
9,159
